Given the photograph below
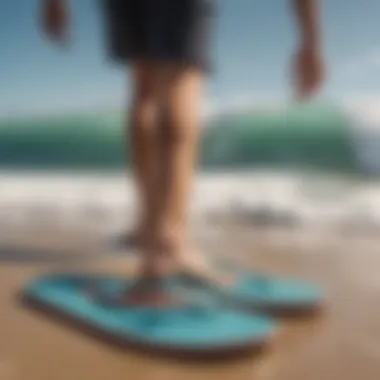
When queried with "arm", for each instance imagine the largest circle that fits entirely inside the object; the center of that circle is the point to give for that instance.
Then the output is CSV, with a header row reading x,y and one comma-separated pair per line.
x,y
307,13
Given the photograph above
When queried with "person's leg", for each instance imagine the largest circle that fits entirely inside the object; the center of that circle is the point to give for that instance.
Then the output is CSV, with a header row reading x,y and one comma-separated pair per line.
x,y
144,143
162,124
181,90
174,34
179,43
172,38
126,25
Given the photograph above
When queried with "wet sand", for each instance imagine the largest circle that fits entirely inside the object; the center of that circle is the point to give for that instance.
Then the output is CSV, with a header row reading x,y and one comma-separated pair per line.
x,y
343,343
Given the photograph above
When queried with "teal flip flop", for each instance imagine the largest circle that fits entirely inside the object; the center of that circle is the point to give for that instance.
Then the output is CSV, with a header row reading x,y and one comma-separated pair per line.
x,y
264,293
199,325
270,294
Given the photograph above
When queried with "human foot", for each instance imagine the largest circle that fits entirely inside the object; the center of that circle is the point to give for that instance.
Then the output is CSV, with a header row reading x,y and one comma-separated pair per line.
x,y
157,269
133,238
245,288
241,286
142,292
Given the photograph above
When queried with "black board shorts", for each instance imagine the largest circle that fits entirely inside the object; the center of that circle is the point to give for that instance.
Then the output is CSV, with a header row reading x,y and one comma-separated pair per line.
x,y
160,30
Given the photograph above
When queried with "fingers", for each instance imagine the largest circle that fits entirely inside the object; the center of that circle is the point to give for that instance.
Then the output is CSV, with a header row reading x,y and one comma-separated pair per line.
x,y
308,74
54,22
307,88
56,31
308,84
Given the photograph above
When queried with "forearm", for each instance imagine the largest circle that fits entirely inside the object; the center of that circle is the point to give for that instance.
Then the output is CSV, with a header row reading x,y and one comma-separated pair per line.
x,y
307,13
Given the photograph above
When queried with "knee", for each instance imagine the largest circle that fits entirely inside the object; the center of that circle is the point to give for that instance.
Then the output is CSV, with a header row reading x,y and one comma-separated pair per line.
x,y
181,119
143,97
143,105
182,98
177,128
144,85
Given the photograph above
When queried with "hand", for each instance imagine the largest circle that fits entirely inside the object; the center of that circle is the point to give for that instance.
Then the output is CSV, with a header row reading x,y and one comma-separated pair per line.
x,y
308,72
55,20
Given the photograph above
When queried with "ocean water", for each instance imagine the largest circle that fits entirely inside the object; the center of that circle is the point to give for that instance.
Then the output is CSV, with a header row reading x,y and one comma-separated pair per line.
x,y
313,200
316,137
312,162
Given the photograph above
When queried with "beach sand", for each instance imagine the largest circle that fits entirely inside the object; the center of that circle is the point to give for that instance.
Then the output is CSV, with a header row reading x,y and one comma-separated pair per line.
x,y
342,343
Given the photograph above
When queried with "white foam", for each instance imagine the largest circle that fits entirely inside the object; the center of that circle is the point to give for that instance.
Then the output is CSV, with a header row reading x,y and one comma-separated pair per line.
x,y
73,196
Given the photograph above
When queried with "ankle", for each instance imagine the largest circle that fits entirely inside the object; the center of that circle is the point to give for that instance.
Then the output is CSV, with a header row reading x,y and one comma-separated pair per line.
x,y
158,263
171,236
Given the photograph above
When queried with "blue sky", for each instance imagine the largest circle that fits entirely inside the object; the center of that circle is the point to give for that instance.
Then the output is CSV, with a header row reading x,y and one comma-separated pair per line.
x,y
254,40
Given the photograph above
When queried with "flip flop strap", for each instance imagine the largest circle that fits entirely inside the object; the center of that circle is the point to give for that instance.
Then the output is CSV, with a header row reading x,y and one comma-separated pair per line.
x,y
239,271
193,299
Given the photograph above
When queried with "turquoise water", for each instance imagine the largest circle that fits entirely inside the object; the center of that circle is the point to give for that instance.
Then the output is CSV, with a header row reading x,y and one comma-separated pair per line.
x,y
318,138
313,137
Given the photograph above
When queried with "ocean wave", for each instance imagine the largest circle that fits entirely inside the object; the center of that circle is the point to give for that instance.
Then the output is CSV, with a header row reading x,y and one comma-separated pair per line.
x,y
313,137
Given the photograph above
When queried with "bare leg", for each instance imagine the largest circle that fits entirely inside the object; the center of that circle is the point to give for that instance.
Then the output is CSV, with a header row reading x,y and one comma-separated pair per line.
x,y
167,169
165,157
182,90
144,143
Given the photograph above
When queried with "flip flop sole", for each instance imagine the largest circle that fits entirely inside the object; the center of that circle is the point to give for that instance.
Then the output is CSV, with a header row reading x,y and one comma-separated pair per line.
x,y
188,330
282,297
